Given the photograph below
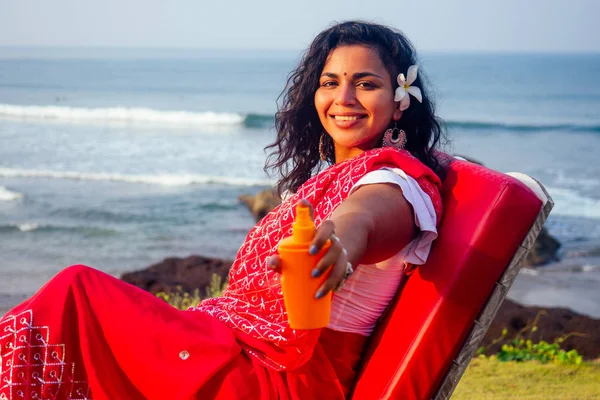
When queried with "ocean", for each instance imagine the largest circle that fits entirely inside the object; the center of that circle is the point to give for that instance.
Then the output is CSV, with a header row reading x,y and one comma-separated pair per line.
x,y
118,158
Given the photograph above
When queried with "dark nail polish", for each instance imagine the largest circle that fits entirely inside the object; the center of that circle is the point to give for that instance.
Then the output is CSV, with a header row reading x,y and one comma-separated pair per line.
x,y
313,250
315,273
319,294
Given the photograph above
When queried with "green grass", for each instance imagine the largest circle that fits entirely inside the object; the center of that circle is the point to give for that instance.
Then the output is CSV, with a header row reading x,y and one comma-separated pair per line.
x,y
490,379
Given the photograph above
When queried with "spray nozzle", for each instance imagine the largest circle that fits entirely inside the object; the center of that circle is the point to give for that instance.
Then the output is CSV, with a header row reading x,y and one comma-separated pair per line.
x,y
303,229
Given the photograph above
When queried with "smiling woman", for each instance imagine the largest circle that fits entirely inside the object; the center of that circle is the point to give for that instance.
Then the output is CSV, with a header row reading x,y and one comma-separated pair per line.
x,y
355,100
377,203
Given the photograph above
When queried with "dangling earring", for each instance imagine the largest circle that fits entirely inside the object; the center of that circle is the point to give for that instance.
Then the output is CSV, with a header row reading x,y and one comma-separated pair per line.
x,y
394,137
323,152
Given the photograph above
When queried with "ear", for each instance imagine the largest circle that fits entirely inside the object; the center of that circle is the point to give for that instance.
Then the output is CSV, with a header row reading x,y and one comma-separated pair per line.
x,y
397,114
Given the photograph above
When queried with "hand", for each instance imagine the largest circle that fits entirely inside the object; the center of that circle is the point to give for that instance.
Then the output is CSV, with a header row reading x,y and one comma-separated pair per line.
x,y
336,257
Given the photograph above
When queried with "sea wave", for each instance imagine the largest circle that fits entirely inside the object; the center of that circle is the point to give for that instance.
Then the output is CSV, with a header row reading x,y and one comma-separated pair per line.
x,y
570,203
522,126
120,114
264,120
164,180
27,227
20,226
259,120
137,115
7,195
37,227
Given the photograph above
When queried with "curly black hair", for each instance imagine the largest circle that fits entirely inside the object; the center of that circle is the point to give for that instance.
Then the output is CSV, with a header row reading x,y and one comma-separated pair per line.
x,y
295,152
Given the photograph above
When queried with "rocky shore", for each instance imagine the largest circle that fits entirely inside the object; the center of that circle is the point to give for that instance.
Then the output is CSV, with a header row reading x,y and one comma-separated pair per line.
x,y
173,274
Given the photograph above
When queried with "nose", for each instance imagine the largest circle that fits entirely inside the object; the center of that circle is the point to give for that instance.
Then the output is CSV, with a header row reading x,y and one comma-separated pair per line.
x,y
346,95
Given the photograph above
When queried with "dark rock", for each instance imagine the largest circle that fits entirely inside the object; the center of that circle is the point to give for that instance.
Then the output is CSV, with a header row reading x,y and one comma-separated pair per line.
x,y
544,250
552,324
194,272
261,203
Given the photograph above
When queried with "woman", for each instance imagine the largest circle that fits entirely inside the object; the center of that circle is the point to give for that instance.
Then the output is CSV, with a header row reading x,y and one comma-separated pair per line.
x,y
356,101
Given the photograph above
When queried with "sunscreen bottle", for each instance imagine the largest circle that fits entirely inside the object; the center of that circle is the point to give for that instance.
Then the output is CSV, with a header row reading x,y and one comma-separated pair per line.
x,y
299,287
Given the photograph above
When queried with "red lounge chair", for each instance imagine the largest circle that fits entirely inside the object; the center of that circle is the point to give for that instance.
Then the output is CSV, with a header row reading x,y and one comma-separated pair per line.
x,y
435,324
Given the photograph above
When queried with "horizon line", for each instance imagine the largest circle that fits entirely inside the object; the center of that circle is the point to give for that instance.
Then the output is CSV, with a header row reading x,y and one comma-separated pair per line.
x,y
281,49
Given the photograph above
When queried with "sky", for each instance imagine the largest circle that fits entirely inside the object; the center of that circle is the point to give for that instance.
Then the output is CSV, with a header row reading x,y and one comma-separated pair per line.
x,y
432,25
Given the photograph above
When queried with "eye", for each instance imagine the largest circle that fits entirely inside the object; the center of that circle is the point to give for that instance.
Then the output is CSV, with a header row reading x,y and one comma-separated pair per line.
x,y
328,83
366,85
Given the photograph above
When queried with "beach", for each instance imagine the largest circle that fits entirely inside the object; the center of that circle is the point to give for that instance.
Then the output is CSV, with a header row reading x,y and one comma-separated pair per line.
x,y
118,162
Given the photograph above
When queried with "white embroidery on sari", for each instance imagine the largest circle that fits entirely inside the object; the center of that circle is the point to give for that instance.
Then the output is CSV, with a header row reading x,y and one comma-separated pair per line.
x,y
31,367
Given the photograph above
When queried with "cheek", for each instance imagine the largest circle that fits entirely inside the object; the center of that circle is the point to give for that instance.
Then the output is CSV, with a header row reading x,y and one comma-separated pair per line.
x,y
321,103
385,113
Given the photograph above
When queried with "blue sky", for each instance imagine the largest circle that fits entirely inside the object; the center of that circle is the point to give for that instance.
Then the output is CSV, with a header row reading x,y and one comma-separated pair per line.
x,y
440,25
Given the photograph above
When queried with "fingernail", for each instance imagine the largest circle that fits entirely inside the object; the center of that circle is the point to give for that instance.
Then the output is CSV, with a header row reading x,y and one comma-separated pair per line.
x,y
315,273
271,261
313,250
319,294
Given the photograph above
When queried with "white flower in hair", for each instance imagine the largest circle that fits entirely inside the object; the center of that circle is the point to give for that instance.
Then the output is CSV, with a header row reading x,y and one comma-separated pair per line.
x,y
403,91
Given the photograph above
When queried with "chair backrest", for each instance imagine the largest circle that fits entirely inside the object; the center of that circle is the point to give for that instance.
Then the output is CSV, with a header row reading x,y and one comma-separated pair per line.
x,y
434,325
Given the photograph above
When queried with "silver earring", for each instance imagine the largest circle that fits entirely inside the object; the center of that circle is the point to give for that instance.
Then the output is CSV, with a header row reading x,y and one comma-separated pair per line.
x,y
323,152
394,137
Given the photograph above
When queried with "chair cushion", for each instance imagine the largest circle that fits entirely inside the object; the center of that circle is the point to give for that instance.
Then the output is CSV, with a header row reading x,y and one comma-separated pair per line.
x,y
486,216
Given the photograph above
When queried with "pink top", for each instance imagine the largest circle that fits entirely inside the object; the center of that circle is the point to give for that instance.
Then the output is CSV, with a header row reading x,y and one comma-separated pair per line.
x,y
357,306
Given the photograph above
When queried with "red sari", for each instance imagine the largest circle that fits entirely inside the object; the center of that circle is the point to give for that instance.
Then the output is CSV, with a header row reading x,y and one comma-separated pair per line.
x,y
88,335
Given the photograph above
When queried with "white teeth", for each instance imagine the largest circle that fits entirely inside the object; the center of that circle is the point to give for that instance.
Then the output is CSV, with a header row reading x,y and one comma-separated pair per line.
x,y
346,118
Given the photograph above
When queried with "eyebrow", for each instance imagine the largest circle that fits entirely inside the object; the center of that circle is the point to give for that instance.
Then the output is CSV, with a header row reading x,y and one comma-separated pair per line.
x,y
357,75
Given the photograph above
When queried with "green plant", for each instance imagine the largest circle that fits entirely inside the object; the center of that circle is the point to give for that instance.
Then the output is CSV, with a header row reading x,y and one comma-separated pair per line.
x,y
216,286
183,300
524,349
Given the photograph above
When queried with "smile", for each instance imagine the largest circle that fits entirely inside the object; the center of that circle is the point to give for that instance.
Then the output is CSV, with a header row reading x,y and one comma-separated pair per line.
x,y
347,117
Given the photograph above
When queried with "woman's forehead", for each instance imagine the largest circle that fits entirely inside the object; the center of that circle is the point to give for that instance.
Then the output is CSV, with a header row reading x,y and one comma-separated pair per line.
x,y
354,58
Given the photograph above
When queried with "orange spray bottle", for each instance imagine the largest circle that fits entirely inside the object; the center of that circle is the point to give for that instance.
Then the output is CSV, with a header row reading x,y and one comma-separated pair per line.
x,y
299,287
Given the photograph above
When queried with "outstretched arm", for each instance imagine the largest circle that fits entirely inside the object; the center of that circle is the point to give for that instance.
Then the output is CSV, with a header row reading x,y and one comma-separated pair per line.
x,y
372,224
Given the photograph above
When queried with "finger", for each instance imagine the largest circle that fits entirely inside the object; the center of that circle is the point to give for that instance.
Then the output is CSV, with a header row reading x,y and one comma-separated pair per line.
x,y
323,234
329,259
337,274
275,263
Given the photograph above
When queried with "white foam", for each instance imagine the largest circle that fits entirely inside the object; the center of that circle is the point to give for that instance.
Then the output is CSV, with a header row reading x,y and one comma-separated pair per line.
x,y
27,227
7,195
589,268
570,203
564,180
22,226
529,271
121,115
164,180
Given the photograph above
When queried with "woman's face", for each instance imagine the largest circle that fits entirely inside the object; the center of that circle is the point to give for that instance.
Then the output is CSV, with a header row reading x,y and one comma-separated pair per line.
x,y
355,100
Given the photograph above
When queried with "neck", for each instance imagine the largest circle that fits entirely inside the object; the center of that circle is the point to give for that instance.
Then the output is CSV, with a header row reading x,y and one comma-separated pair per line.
x,y
346,153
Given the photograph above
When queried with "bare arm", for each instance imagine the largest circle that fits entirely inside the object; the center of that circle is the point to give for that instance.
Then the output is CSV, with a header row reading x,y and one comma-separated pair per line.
x,y
372,224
